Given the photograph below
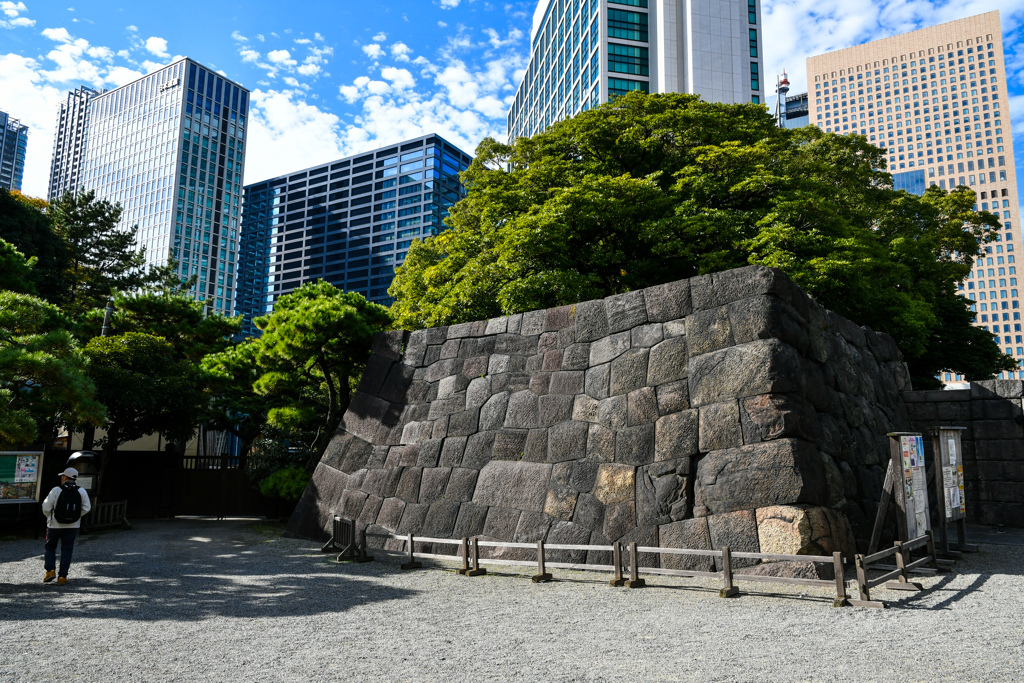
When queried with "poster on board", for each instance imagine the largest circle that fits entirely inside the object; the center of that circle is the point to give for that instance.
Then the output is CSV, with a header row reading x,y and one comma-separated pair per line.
x,y
915,486
20,473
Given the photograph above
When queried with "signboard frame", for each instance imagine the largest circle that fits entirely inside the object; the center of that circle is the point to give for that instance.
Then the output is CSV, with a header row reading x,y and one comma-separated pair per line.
x,y
26,471
949,485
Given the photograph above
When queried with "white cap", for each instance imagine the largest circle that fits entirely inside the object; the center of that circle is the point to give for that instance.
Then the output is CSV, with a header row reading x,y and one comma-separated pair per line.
x,y
70,473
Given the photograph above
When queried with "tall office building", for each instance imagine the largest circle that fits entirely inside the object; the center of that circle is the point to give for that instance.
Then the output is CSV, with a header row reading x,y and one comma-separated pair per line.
x,y
936,100
13,143
585,53
69,142
349,222
170,147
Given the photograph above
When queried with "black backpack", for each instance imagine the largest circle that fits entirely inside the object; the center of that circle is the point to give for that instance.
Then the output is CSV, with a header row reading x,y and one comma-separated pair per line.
x,y
68,509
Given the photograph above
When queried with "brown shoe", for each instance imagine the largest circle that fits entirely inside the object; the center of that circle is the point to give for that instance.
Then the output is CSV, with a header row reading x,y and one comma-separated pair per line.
x,y
61,580
50,576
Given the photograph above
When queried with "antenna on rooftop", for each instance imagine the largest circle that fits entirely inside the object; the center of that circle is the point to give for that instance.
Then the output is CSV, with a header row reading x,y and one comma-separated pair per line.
x,y
782,89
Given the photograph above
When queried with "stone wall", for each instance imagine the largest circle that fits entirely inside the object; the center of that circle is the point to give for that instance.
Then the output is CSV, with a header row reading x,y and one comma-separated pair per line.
x,y
728,409
993,443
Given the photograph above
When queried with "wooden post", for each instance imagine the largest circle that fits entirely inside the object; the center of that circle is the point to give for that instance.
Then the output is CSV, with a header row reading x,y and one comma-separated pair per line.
x,y
464,553
883,509
618,581
863,591
542,575
728,589
362,556
931,551
842,598
412,563
634,569
902,583
477,570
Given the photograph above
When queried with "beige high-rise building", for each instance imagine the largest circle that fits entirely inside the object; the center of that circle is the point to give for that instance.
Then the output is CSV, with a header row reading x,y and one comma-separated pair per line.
x,y
936,100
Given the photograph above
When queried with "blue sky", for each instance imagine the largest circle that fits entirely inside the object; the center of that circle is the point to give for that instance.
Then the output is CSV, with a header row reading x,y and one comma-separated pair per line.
x,y
334,78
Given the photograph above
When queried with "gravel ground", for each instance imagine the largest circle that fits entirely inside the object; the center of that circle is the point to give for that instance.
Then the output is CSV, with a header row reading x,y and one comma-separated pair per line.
x,y
194,600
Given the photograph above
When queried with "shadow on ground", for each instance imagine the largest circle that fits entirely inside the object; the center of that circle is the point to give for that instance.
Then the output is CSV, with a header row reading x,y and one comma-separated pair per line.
x,y
184,571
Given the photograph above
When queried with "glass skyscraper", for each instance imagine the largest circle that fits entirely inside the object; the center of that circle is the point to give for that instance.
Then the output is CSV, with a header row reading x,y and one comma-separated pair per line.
x,y
69,142
170,148
585,52
349,222
13,143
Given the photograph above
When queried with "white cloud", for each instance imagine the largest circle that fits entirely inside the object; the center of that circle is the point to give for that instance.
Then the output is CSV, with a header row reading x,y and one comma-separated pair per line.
x,y
239,37
401,52
11,10
380,37
157,46
373,50
450,4
309,69
400,79
303,41
34,101
104,53
131,27
259,37
442,24
120,75
249,55
59,35
497,42
281,57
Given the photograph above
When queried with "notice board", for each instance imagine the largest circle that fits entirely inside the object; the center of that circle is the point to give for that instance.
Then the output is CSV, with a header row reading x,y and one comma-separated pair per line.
x,y
915,484
20,476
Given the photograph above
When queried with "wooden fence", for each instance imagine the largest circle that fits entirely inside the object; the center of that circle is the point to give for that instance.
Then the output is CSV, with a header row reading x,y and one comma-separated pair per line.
x,y
353,546
106,516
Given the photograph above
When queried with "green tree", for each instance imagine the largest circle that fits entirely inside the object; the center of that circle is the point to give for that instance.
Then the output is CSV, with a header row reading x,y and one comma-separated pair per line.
x,y
315,342
44,379
25,224
16,272
146,386
102,258
235,406
654,188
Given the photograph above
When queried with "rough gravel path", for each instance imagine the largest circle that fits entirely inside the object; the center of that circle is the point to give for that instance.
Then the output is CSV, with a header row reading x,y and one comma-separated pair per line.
x,y
190,600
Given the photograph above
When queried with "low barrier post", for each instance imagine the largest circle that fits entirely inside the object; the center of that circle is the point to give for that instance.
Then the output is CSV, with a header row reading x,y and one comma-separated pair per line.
x,y
729,589
902,582
634,569
842,597
931,551
618,581
412,563
464,554
542,575
362,556
477,570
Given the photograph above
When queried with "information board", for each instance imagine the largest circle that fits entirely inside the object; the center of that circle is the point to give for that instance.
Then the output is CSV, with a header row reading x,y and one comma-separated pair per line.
x,y
20,474
951,463
915,485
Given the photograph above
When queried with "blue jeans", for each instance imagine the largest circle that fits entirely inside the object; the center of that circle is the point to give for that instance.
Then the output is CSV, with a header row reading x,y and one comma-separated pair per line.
x,y
67,547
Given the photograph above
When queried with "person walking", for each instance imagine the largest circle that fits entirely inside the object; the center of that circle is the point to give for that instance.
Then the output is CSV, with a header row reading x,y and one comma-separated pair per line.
x,y
63,507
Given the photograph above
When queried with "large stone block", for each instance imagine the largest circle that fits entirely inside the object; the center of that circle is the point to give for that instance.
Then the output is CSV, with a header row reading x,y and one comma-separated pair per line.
x,y
736,531
519,485
783,472
461,484
804,530
567,441
691,534
720,426
709,330
669,301
635,445
760,367
607,349
523,411
591,321
626,311
668,362
642,406
676,435
629,371
615,483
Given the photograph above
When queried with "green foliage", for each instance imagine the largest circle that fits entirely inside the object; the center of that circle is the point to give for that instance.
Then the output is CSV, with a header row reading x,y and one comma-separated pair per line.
x,y
16,273
43,373
24,223
655,188
287,484
101,258
234,406
146,387
314,342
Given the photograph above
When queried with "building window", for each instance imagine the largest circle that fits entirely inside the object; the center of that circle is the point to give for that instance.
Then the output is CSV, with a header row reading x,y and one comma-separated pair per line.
x,y
626,59
755,81
752,11
634,3
621,86
753,42
627,25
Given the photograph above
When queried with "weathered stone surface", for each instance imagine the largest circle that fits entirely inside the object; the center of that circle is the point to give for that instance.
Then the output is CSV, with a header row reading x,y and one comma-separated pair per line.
x,y
591,321
452,450
676,435
470,520
554,408
629,371
600,443
691,534
736,531
433,482
576,357
409,484
668,361
668,301
760,475
673,397
461,484
635,445
642,406
501,523
720,426
391,513
492,413
709,330
523,410
760,367
510,444
597,381
567,441
585,408
519,485
771,416
803,530
619,519
614,483
613,412
609,348
561,502
479,450
626,311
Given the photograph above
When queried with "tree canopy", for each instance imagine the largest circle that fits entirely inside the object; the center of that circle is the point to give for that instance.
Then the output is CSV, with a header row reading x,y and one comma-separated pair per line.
x,y
653,188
